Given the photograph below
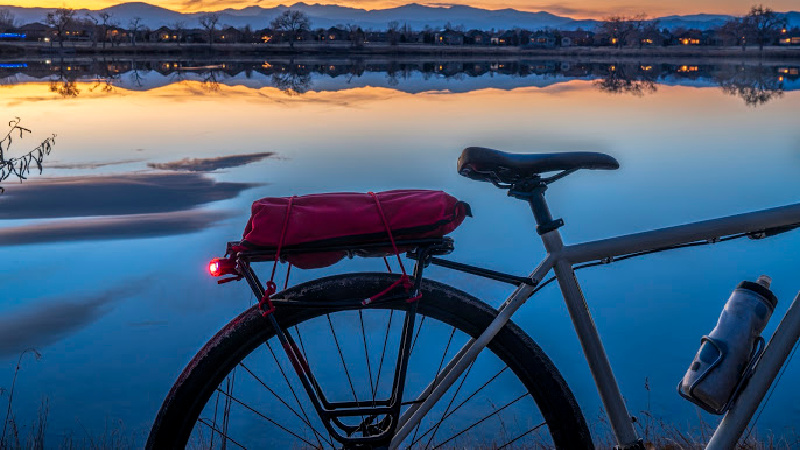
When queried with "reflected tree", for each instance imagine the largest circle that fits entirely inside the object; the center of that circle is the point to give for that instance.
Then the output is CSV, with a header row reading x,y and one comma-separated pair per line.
x,y
65,84
20,166
292,82
627,79
756,85
210,82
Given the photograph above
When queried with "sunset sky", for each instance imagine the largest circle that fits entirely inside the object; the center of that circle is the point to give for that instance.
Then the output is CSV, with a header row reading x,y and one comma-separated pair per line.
x,y
573,8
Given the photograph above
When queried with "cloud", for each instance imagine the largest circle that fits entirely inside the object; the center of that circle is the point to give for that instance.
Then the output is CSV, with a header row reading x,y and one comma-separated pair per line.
x,y
133,226
578,12
211,164
132,193
92,165
53,319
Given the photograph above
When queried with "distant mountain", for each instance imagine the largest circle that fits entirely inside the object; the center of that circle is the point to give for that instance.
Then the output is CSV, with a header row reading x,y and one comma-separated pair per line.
x,y
415,15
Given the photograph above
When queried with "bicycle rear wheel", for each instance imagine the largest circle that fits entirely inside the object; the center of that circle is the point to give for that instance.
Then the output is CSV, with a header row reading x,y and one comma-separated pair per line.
x,y
240,390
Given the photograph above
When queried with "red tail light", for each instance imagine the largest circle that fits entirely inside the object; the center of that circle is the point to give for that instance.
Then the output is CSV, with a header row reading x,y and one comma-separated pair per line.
x,y
218,267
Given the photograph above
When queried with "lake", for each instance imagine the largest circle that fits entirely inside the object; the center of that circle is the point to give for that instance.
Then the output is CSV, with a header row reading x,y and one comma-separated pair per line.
x,y
156,164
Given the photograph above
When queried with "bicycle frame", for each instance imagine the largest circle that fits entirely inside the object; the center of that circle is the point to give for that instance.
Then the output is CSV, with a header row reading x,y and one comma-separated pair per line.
x,y
561,258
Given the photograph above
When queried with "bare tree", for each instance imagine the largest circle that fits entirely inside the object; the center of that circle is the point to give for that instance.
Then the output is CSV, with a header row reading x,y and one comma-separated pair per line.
x,y
106,21
60,19
291,21
762,22
393,32
7,19
135,25
179,26
93,23
735,30
209,22
621,28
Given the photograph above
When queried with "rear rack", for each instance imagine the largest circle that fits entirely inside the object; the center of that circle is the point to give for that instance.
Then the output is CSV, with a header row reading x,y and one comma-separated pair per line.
x,y
433,246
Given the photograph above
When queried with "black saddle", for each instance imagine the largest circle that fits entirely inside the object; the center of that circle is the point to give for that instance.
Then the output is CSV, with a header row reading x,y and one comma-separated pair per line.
x,y
485,164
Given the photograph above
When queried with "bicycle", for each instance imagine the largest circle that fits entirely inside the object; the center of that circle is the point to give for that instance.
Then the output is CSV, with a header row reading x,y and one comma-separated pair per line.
x,y
384,417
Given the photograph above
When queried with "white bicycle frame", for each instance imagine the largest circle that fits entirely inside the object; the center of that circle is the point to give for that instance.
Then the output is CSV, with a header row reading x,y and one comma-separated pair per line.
x,y
561,258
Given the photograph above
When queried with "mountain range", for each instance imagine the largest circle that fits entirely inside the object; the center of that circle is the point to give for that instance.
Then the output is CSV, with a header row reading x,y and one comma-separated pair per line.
x,y
415,15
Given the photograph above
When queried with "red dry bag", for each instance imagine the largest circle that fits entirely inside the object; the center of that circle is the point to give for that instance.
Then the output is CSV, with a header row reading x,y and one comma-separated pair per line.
x,y
347,220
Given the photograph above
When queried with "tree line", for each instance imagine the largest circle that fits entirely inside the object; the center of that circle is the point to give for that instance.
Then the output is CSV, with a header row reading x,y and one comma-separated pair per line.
x,y
761,26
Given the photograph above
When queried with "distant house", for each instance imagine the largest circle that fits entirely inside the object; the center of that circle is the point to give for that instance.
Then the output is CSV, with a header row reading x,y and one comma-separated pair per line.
x,y
266,36
36,31
789,37
196,36
477,37
164,34
115,34
448,37
229,35
336,34
509,37
578,37
543,39
692,37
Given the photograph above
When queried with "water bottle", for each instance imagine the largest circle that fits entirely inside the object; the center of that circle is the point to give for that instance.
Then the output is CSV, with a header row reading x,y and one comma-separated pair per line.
x,y
728,351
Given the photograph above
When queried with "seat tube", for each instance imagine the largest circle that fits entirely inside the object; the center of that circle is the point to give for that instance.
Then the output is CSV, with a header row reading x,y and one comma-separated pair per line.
x,y
585,328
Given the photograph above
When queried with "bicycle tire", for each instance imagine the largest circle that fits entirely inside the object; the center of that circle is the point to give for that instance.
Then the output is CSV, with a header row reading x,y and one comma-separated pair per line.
x,y
194,388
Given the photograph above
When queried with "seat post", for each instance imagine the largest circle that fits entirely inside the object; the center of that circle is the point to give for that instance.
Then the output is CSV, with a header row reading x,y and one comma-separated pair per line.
x,y
533,191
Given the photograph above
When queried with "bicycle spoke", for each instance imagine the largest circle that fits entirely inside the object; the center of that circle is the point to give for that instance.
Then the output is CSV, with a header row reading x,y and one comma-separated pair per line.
x,y
341,356
305,420
259,414
444,355
536,427
283,373
213,428
446,410
366,353
226,413
216,407
493,413
470,397
438,370
383,353
416,335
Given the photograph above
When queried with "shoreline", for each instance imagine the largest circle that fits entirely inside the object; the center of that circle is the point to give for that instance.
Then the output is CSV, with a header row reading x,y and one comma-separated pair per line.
x,y
33,50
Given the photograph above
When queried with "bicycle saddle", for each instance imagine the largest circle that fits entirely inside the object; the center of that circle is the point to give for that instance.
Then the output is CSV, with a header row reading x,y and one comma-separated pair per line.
x,y
485,164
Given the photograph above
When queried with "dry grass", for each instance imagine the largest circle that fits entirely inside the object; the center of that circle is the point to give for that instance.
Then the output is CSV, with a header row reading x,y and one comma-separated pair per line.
x,y
658,434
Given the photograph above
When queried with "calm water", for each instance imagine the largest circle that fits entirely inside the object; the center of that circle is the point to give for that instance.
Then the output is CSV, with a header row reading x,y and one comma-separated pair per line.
x,y
104,254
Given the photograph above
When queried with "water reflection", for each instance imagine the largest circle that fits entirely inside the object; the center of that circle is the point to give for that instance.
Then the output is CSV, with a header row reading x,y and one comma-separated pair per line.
x,y
127,193
756,83
211,164
637,80
39,325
